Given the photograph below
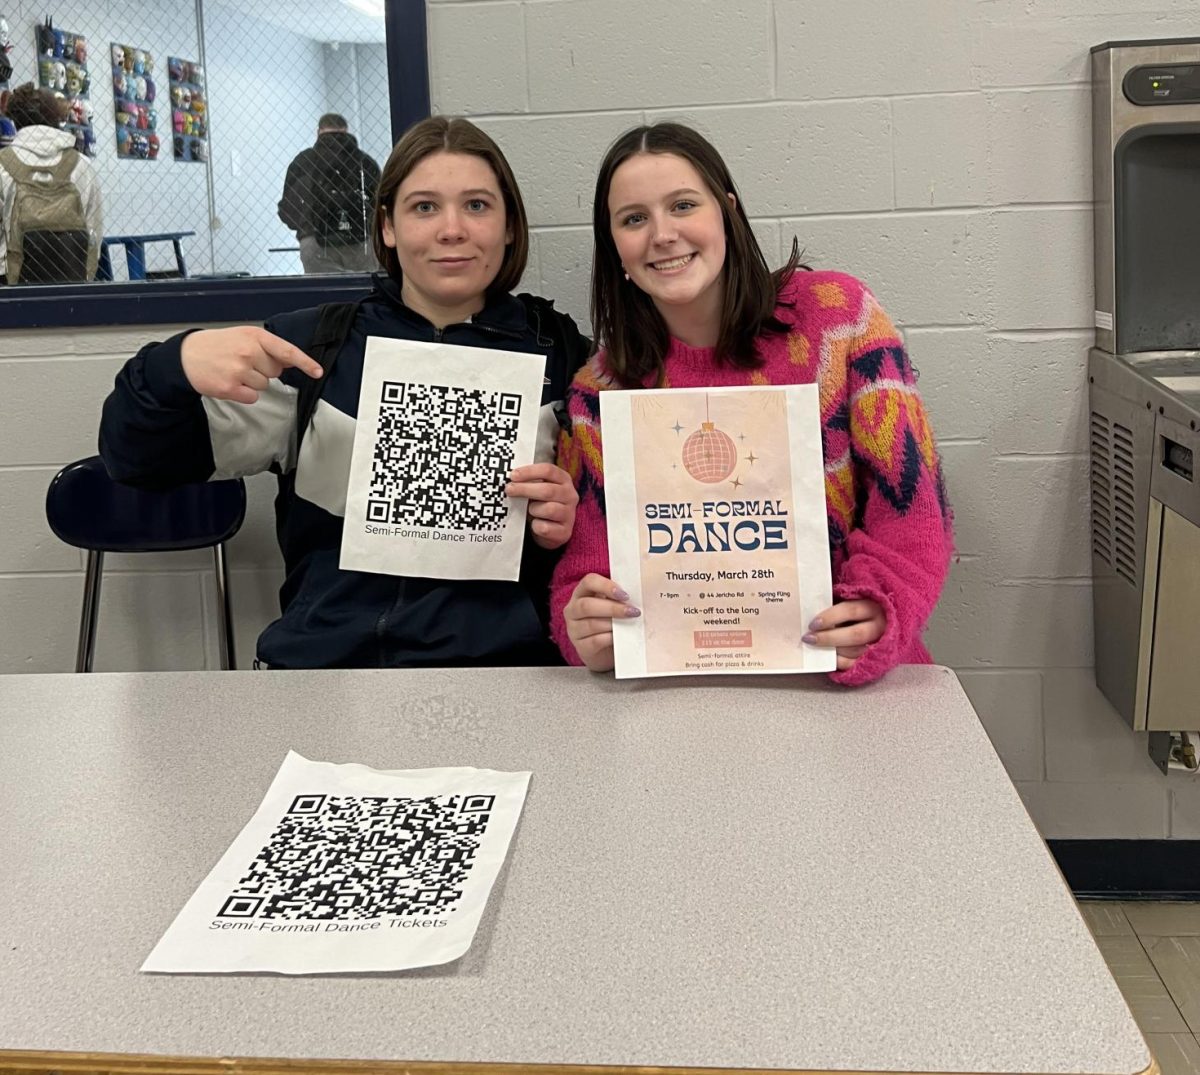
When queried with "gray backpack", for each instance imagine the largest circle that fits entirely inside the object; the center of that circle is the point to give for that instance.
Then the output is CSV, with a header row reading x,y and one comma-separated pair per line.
x,y
47,231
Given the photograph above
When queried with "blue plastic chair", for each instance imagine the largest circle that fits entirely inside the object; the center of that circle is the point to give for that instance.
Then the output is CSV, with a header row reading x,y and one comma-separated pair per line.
x,y
87,509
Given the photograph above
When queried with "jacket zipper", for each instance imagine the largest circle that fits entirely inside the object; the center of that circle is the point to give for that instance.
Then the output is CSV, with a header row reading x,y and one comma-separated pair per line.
x,y
381,624
497,331
489,330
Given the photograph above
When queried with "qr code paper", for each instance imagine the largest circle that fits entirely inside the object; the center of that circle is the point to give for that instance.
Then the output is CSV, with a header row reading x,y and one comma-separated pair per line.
x,y
350,858
442,456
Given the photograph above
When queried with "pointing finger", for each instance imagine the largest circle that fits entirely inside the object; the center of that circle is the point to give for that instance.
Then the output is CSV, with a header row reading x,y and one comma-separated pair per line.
x,y
287,354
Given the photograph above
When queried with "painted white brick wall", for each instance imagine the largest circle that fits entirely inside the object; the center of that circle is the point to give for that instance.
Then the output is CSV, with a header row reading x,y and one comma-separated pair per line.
x,y
157,611
938,149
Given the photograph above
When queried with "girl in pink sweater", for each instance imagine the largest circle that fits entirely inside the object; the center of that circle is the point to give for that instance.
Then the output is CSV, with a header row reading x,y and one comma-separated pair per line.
x,y
682,297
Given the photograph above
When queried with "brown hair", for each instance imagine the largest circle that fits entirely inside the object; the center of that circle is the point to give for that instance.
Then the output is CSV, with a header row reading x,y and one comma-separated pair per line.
x,y
450,134
29,106
624,317
332,121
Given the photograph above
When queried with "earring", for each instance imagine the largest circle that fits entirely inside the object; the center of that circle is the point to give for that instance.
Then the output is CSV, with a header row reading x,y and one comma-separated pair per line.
x,y
626,275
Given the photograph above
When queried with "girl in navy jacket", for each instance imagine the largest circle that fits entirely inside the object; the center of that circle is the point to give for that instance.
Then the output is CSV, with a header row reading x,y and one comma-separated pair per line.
x,y
450,230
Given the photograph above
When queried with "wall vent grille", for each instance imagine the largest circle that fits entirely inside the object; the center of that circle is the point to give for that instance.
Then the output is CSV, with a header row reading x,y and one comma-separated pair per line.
x,y
1112,488
1124,544
1101,442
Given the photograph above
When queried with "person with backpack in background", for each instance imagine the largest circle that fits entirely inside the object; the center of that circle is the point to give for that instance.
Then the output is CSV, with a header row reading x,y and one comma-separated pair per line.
x,y
449,226
327,201
49,196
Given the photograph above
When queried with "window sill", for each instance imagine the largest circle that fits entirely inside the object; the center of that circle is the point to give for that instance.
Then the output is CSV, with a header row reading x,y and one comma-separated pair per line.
x,y
192,301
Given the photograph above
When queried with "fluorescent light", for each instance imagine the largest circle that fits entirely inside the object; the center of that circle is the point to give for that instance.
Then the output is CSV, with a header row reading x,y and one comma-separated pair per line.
x,y
374,8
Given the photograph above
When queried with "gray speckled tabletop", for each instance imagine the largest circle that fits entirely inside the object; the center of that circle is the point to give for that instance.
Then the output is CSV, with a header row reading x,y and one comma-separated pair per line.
x,y
747,873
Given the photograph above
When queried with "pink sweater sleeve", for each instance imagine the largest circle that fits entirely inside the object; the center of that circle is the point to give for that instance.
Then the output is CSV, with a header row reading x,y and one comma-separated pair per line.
x,y
899,551
587,550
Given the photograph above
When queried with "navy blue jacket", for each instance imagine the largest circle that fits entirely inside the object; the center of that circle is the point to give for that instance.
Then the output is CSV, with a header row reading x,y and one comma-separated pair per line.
x,y
157,431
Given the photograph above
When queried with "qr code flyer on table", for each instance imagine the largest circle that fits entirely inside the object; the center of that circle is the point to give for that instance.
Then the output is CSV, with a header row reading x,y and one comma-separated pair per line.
x,y
345,868
440,427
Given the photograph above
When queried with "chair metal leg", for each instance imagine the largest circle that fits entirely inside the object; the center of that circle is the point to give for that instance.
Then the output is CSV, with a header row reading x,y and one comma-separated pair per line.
x,y
224,612
90,613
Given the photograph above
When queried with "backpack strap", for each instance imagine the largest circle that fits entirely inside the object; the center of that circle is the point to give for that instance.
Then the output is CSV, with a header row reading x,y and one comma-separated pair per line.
x,y
334,321
545,320
60,171
551,328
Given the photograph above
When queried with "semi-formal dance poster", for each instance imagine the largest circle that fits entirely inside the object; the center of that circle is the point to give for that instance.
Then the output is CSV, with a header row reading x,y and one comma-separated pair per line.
x,y
717,528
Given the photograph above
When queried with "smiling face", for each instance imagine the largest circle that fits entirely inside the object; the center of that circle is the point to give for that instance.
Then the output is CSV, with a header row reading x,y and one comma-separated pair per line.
x,y
669,231
449,228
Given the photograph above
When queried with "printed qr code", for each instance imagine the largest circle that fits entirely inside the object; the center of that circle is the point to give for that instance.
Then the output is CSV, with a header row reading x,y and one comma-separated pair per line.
x,y
345,859
442,457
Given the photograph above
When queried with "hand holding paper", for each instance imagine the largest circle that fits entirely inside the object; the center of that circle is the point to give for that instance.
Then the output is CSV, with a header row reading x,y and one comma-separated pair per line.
x,y
849,627
589,615
552,500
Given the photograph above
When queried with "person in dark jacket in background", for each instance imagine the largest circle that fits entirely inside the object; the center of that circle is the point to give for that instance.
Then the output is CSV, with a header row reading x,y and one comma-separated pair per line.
x,y
451,230
327,200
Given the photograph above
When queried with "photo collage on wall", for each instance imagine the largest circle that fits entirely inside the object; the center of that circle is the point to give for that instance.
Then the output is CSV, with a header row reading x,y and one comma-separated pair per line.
x,y
6,67
134,92
7,129
189,109
62,68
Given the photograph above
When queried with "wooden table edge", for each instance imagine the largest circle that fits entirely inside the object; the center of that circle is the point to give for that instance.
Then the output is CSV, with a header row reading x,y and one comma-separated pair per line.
x,y
36,1062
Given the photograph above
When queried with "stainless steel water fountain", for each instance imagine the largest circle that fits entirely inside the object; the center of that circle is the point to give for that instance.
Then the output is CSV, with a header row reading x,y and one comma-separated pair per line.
x,y
1144,381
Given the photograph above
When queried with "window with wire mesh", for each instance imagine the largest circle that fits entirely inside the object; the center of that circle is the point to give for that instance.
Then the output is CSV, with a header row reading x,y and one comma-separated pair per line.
x,y
158,140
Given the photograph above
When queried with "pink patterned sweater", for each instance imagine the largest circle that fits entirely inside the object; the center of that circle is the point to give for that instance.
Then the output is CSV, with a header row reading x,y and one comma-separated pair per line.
x,y
889,522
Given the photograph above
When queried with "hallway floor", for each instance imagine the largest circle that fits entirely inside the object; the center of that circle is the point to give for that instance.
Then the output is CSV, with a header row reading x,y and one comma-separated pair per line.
x,y
1153,951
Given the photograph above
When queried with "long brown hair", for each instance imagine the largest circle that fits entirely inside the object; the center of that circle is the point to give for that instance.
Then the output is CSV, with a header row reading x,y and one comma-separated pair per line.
x,y
451,134
624,317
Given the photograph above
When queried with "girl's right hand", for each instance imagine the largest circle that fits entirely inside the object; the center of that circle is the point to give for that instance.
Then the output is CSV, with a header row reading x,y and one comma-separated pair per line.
x,y
237,363
596,602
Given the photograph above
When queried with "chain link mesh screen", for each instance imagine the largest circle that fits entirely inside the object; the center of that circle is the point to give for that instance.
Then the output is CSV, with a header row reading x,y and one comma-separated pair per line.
x,y
197,129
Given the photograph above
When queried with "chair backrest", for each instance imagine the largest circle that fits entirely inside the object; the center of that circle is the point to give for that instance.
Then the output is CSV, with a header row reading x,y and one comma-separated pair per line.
x,y
87,509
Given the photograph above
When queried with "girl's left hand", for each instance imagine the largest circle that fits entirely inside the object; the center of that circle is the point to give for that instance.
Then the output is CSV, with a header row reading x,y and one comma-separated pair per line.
x,y
850,626
552,500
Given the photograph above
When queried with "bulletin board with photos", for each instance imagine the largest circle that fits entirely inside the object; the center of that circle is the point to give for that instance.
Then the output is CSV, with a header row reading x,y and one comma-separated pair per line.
x,y
189,109
6,68
134,94
7,130
62,68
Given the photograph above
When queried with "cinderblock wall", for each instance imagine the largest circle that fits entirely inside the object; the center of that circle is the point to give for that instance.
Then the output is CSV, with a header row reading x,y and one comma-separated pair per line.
x,y
939,149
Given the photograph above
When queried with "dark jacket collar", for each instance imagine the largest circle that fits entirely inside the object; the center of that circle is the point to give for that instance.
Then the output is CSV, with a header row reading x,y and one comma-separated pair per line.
x,y
501,313
341,140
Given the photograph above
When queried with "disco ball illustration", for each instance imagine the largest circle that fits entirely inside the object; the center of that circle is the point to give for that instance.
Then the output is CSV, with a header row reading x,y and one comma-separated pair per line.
x,y
709,454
